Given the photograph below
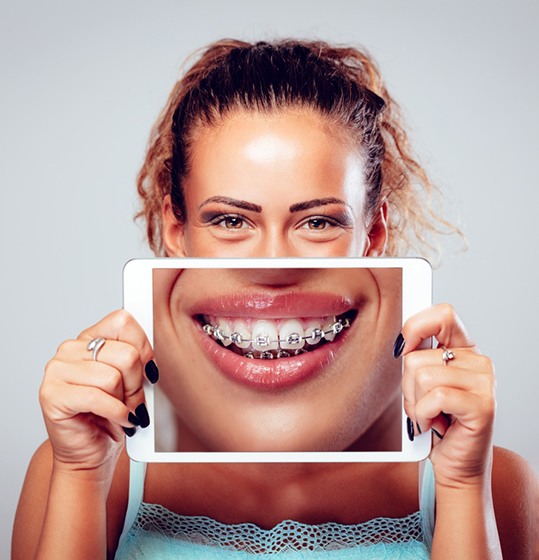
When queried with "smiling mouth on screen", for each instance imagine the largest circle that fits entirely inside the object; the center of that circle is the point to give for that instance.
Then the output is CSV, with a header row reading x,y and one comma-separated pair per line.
x,y
274,342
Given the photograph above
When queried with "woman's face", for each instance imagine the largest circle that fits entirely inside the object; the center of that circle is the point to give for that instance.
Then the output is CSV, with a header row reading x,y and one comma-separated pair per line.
x,y
271,186
274,186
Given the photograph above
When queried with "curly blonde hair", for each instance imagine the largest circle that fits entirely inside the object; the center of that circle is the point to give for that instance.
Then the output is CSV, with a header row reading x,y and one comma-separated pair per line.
x,y
341,83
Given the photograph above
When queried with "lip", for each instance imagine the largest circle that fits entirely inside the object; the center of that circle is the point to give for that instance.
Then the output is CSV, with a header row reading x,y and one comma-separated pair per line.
x,y
277,373
275,306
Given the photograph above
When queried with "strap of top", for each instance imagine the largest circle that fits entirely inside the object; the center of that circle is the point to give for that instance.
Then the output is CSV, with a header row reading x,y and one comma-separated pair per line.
x,y
427,500
137,475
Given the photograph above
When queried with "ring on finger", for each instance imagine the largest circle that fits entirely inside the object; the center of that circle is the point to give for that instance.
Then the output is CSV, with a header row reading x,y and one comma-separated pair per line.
x,y
447,355
95,345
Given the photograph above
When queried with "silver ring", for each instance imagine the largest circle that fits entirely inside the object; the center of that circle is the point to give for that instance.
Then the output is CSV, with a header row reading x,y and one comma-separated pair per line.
x,y
95,345
447,355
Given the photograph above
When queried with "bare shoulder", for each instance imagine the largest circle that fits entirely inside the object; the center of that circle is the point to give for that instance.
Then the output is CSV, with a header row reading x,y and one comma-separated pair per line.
x,y
33,503
515,490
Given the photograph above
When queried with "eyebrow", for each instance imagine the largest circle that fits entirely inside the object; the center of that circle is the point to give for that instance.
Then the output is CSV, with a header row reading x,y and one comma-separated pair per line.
x,y
243,204
315,202
298,207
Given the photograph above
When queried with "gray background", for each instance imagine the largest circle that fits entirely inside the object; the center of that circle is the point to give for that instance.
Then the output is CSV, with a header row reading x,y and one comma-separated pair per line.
x,y
83,82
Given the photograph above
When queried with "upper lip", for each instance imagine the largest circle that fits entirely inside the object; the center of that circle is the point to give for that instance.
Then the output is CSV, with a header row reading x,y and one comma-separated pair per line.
x,y
275,305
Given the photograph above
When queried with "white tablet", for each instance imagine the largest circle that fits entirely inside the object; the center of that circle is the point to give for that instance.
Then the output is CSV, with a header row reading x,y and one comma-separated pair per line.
x,y
276,360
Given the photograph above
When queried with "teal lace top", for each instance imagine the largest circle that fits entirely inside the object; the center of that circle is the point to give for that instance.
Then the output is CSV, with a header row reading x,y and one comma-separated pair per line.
x,y
153,532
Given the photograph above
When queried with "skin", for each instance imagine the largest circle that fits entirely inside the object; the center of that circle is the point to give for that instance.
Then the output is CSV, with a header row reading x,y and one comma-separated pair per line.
x,y
273,162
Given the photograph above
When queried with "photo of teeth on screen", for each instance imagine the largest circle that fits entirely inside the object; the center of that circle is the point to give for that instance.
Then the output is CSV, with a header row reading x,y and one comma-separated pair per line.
x,y
286,360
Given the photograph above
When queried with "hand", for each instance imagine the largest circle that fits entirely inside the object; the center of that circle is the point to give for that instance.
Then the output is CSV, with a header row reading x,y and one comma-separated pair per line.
x,y
86,403
455,399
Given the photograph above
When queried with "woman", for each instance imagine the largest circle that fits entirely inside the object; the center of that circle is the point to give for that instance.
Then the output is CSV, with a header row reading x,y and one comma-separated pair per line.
x,y
284,149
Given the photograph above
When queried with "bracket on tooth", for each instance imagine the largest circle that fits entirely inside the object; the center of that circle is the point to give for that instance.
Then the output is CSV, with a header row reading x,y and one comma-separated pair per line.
x,y
218,334
236,338
262,340
293,338
316,336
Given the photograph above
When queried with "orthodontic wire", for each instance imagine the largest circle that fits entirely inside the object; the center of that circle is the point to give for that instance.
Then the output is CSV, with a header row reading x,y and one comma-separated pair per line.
x,y
316,335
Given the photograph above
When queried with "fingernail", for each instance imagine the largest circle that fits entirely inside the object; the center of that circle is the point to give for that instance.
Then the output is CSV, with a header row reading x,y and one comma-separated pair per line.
x,y
437,433
129,432
398,347
142,414
152,372
418,428
410,428
133,419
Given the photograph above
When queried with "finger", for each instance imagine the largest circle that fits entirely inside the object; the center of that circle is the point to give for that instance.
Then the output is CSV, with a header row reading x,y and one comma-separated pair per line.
x,y
440,321
117,370
107,379
122,356
475,412
90,374
426,368
120,325
428,379
63,402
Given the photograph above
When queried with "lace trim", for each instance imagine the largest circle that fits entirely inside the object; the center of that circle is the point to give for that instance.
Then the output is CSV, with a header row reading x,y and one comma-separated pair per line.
x,y
286,536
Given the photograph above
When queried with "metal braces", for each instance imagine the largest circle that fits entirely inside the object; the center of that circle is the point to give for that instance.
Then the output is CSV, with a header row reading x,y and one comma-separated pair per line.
x,y
264,340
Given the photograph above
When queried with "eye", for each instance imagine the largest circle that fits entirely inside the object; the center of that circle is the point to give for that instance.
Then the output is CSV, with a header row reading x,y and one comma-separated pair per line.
x,y
230,221
318,223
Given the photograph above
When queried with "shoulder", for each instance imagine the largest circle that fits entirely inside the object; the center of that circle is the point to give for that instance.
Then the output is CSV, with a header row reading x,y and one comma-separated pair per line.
x,y
513,477
515,491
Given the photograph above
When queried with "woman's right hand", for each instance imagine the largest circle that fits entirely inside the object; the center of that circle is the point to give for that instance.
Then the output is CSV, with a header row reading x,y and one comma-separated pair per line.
x,y
86,403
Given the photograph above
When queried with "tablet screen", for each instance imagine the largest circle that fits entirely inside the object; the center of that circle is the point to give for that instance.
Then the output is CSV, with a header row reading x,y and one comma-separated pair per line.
x,y
271,360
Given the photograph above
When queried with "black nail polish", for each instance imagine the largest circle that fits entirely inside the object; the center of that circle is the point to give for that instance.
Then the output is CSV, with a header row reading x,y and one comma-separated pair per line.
x,y
418,428
410,428
142,414
133,419
437,433
129,432
398,347
152,373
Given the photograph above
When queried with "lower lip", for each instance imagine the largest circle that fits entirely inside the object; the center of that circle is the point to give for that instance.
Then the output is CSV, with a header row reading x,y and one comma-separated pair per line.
x,y
274,374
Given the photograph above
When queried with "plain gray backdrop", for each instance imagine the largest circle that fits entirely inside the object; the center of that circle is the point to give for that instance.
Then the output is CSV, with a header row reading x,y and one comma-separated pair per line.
x,y
82,83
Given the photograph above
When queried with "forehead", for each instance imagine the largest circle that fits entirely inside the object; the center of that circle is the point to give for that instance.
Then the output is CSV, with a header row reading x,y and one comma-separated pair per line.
x,y
291,151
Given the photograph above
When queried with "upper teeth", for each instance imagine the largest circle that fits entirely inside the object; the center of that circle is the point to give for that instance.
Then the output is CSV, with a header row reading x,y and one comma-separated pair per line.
x,y
265,335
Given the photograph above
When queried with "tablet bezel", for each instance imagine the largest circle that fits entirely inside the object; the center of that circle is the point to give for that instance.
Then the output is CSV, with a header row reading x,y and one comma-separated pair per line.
x,y
138,300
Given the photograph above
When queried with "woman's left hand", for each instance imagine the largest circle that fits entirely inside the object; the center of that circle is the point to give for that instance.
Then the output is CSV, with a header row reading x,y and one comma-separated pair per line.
x,y
456,398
